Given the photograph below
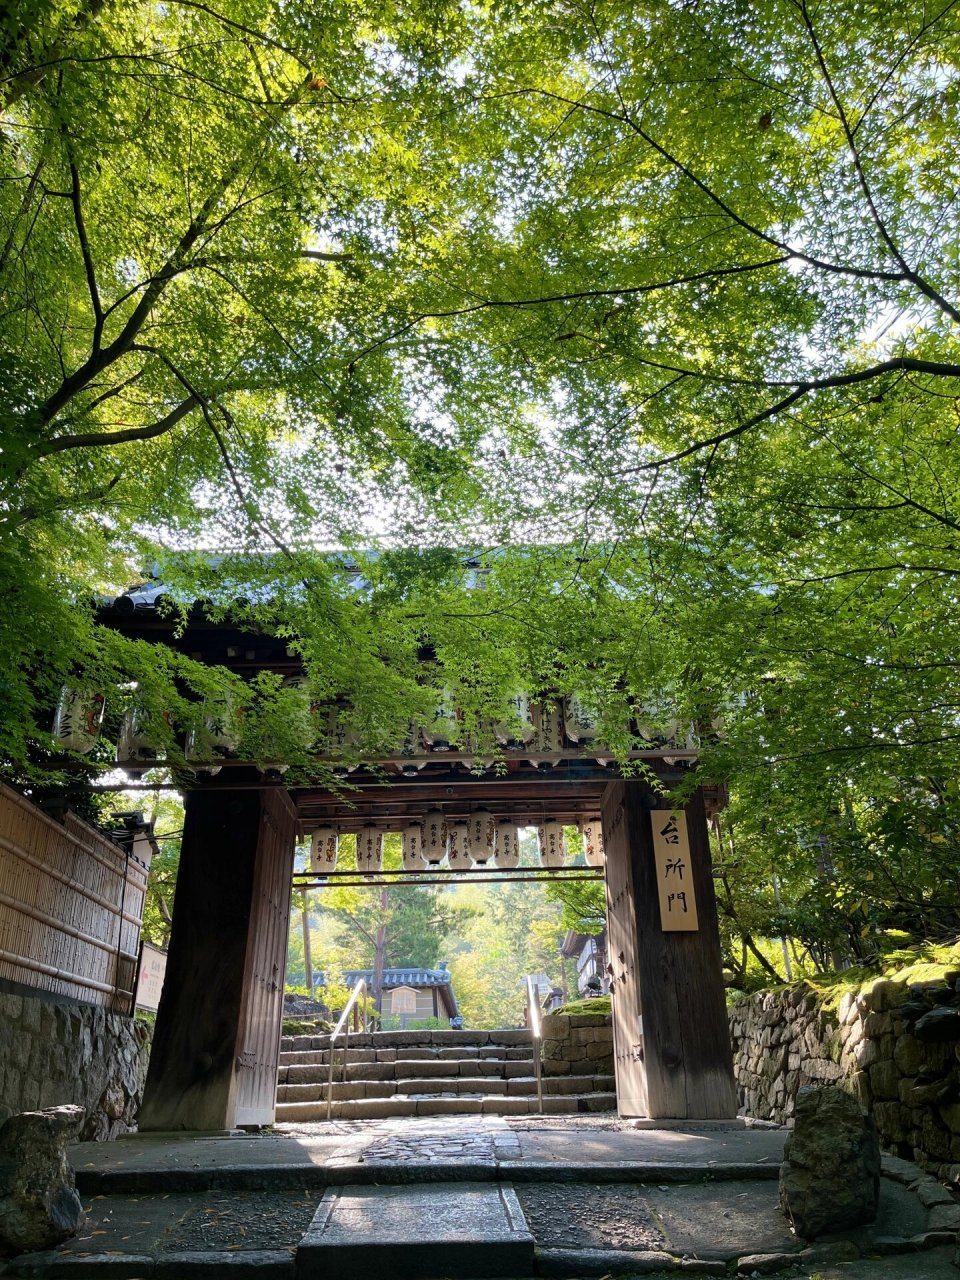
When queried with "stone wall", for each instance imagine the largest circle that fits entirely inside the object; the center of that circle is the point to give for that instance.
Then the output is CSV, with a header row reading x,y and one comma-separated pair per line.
x,y
578,1044
54,1051
895,1045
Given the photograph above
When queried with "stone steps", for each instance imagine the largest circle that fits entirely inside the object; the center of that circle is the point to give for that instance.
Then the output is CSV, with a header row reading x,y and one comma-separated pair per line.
x,y
406,1053
404,1105
350,1090
408,1069
421,1073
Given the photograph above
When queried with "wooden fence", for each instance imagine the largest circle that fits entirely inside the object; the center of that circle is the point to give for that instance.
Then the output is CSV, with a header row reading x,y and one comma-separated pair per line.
x,y
71,905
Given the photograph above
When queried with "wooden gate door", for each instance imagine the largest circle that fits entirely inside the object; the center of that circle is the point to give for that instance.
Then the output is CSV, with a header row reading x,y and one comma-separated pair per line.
x,y
261,1012
622,959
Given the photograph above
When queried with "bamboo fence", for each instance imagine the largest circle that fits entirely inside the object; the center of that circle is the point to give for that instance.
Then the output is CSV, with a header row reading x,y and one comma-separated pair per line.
x,y
71,905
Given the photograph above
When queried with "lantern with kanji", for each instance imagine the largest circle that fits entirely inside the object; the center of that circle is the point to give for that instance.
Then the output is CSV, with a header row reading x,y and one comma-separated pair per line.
x,y
434,838
592,829
517,727
411,843
442,729
220,734
77,721
508,846
458,852
135,745
324,846
482,836
550,838
369,849
579,720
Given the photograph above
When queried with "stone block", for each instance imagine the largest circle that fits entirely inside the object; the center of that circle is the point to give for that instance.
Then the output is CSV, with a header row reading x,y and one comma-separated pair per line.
x,y
885,1080
891,1121
939,1026
830,1177
39,1205
908,1054
884,994
427,1230
877,1024
866,1053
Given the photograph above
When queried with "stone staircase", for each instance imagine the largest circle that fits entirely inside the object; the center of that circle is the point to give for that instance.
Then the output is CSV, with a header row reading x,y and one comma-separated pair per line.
x,y
427,1073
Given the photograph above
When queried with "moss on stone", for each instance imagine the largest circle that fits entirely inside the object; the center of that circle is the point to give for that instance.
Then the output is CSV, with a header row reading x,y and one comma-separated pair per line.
x,y
914,966
596,1004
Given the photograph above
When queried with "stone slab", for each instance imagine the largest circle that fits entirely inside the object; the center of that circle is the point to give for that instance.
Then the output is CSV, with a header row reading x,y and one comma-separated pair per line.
x,y
472,1229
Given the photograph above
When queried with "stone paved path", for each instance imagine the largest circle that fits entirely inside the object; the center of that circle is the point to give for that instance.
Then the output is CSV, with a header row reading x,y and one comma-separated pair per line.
x,y
603,1198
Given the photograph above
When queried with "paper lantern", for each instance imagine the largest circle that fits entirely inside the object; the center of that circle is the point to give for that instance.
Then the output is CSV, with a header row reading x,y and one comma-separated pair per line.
x,y
411,842
369,849
592,829
517,729
442,729
78,718
434,838
458,846
482,836
549,736
324,846
341,739
546,717
508,846
134,745
579,721
552,851
220,734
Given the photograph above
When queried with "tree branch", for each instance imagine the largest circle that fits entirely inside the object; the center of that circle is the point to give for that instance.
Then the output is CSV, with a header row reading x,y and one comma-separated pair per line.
x,y
99,360
107,439
88,266
581,295
897,364
836,268
33,512
915,279
21,212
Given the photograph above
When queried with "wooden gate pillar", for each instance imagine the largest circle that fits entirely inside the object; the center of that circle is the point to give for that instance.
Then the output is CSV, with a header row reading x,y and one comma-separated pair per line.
x,y
216,1045
671,1037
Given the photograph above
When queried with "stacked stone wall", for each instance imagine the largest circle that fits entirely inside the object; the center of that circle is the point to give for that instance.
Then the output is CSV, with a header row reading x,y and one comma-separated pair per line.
x,y
577,1045
55,1051
893,1045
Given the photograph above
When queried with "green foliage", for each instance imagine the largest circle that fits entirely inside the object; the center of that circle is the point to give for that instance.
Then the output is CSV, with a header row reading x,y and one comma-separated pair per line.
x,y
659,301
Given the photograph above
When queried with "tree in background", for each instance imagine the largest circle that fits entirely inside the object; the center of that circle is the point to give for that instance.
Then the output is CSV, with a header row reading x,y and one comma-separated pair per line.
x,y
374,927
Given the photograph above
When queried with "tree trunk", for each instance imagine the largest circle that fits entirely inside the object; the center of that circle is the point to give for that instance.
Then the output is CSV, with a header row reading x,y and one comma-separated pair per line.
x,y
307,957
380,952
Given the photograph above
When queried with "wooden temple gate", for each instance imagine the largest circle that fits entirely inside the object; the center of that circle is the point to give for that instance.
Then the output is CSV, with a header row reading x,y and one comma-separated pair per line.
x,y
216,1044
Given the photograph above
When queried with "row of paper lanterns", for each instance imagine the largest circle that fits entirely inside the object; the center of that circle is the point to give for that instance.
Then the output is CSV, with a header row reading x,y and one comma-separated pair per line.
x,y
541,726
79,718
479,840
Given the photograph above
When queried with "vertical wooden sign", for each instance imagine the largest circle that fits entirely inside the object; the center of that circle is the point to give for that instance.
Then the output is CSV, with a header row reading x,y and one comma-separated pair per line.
x,y
671,847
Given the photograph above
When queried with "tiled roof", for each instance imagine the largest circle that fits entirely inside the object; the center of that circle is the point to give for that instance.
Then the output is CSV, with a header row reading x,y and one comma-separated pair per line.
x,y
402,977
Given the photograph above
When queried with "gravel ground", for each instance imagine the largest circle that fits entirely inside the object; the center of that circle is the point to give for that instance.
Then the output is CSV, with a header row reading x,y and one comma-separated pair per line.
x,y
245,1220
580,1216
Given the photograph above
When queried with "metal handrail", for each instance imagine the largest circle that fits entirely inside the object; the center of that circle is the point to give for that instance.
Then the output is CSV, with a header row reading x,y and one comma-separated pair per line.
x,y
359,986
536,1030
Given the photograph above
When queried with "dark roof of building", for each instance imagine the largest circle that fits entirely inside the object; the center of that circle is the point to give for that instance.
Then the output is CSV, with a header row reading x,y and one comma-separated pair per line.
x,y
402,977
409,977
